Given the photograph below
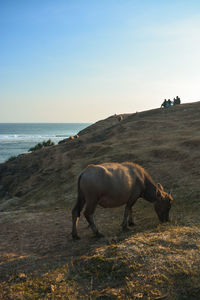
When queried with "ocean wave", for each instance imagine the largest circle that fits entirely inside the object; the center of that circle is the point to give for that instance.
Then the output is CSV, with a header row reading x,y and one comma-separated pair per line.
x,y
12,136
18,137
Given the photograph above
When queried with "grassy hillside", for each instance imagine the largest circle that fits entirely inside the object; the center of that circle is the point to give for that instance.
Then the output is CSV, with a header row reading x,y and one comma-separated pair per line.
x,y
39,260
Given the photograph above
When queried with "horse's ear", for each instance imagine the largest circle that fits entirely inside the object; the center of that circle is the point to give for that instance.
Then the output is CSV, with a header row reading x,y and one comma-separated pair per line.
x,y
159,185
170,192
171,199
158,193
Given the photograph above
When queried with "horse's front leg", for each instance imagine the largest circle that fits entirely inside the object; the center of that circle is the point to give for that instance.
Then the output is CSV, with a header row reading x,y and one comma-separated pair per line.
x,y
89,215
124,223
130,218
128,214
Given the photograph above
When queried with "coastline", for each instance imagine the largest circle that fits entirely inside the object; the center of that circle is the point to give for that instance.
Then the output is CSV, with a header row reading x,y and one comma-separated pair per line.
x,y
18,138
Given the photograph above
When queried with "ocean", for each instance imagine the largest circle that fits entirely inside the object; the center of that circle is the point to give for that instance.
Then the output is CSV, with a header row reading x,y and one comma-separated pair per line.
x,y
18,138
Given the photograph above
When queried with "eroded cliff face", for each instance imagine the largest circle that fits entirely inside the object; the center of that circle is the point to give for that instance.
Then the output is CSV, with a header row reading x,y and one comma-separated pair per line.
x,y
164,141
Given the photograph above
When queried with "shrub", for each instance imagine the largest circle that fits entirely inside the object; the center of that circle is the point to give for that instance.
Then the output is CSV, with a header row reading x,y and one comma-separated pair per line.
x,y
41,145
11,158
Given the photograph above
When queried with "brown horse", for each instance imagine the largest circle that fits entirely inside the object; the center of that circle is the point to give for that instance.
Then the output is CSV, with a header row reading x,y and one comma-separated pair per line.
x,y
115,184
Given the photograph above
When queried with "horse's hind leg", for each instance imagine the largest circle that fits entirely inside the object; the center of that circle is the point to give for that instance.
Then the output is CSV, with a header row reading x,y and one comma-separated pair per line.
x,y
89,215
75,219
74,227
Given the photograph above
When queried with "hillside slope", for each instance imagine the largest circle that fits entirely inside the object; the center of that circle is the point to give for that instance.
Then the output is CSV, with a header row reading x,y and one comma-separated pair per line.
x,y
165,141
39,259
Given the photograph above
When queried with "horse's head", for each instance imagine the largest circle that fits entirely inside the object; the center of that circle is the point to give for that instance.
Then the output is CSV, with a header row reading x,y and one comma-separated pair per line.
x,y
163,203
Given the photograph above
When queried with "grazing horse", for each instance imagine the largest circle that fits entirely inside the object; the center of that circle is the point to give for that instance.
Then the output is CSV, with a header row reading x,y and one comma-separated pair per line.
x,y
115,184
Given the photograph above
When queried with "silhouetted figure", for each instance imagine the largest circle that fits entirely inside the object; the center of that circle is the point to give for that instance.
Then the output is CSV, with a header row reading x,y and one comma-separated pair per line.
x,y
177,100
164,104
169,103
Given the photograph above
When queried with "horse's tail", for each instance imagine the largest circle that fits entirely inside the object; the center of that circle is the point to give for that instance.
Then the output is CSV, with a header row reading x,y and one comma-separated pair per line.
x,y
80,200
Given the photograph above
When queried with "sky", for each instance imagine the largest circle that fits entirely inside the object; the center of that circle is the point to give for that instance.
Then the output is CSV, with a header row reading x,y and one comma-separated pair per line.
x,y
84,60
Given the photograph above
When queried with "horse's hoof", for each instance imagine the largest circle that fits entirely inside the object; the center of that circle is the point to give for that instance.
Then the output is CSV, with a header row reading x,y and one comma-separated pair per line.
x,y
131,224
125,229
76,237
99,235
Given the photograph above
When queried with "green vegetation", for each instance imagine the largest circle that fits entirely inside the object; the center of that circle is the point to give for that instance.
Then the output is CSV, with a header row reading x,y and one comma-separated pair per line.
x,y
11,158
41,145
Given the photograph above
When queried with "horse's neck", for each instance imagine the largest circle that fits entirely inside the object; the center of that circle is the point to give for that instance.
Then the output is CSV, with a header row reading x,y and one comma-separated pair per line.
x,y
150,190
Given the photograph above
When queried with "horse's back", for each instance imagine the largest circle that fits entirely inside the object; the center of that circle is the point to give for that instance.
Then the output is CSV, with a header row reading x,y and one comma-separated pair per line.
x,y
112,173
110,183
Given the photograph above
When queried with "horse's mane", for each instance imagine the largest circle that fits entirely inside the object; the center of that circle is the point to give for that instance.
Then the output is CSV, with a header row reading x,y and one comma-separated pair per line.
x,y
150,188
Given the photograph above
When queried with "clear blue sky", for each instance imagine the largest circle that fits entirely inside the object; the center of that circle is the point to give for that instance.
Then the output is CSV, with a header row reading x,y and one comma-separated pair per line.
x,y
84,60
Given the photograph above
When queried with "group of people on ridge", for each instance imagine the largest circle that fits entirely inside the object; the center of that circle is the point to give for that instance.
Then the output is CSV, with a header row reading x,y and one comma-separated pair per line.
x,y
168,103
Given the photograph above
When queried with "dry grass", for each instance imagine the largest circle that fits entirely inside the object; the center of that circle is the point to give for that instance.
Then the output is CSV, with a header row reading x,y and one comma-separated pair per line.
x,y
152,261
39,260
